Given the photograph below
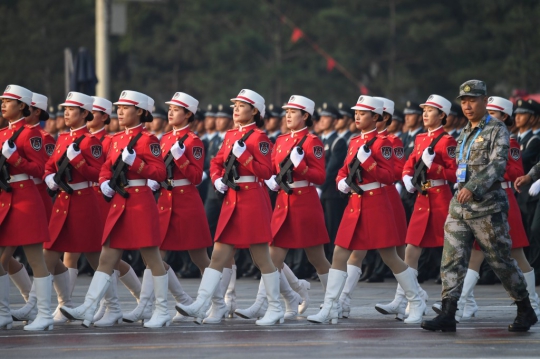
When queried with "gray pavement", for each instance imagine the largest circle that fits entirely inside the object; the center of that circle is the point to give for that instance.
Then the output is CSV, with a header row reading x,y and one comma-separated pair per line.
x,y
367,334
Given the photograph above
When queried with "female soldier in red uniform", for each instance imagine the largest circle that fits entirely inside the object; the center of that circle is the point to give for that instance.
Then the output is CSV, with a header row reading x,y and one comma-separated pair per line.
x,y
245,214
24,157
294,210
365,222
132,222
426,228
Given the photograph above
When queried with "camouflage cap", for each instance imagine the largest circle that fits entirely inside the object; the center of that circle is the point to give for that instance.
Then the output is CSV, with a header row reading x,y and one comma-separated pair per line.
x,y
473,88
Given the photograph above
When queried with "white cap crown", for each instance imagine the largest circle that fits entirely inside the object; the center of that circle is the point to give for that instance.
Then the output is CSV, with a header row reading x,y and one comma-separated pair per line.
x,y
252,98
368,103
20,93
388,105
77,99
39,101
302,103
496,103
184,100
134,98
438,102
101,104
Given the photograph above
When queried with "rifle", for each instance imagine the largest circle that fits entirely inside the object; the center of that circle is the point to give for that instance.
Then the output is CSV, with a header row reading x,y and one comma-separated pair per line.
x,y
119,179
4,170
169,160
64,171
231,172
355,171
285,169
419,179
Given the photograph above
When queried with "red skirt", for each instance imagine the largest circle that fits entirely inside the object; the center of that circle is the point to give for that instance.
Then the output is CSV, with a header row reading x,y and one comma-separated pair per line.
x,y
104,206
364,225
133,222
76,225
182,220
245,217
399,212
47,200
298,219
426,228
23,220
517,231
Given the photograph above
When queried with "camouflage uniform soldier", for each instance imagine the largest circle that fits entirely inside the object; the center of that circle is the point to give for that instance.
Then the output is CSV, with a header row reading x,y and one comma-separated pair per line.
x,y
479,211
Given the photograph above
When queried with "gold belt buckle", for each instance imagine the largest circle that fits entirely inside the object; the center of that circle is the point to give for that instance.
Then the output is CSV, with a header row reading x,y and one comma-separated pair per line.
x,y
426,186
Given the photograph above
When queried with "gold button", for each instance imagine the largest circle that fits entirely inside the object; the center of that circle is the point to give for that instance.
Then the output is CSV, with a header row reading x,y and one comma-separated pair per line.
x,y
169,137
98,191
350,153
299,192
181,191
116,150
57,210
114,205
170,194
2,205
229,146
438,190
136,190
427,195
170,208
352,210
357,141
58,151
370,193
162,208
235,134
279,151
227,202
428,209
67,197
65,212
123,206
420,208
288,151
79,193
247,187
277,205
121,137
286,207
287,139
21,185
359,196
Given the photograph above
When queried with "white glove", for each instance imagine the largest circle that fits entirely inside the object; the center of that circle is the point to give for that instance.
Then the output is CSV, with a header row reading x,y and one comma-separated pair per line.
x,y
106,189
343,187
296,158
204,176
272,184
177,151
427,158
238,150
535,188
319,191
220,186
362,155
71,153
49,181
456,186
407,181
154,185
399,186
127,157
8,151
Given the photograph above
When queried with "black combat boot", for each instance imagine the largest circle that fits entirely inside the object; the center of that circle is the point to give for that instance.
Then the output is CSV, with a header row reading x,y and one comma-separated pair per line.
x,y
525,317
446,321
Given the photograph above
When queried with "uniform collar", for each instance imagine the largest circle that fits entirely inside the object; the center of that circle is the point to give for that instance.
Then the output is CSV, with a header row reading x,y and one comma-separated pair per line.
x,y
521,136
343,134
299,132
368,135
210,136
535,132
15,125
328,135
412,133
246,127
78,131
181,131
135,129
436,131
98,131
481,124
384,132
34,126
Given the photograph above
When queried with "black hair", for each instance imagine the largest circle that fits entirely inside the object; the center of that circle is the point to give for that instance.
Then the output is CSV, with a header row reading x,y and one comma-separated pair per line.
x,y
380,117
309,120
389,121
259,121
26,109
88,117
146,116
444,118
187,112
43,115
108,120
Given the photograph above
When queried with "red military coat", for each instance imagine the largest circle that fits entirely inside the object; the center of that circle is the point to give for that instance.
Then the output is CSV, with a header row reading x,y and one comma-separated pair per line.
x,y
23,219
133,222
182,219
106,141
298,219
365,223
245,214
76,225
49,143
398,154
426,227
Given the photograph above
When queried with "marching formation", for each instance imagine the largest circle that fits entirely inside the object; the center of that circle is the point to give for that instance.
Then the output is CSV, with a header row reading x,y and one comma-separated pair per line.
x,y
274,193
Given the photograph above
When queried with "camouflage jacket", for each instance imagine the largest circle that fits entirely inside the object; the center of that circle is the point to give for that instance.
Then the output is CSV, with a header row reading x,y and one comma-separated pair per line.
x,y
535,172
486,166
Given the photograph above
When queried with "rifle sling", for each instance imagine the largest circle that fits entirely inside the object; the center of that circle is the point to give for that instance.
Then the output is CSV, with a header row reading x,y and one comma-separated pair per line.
x,y
356,163
284,167
232,158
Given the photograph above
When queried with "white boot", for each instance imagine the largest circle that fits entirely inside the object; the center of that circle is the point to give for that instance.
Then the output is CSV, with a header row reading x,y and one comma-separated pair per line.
x,y
219,309
467,307
209,282
409,283
330,312
257,309
299,286
44,319
143,311
353,275
113,312
6,322
291,298
96,290
274,312
62,287
531,288
132,283
180,296
22,282
29,311
160,317
421,292
72,276
230,294
397,306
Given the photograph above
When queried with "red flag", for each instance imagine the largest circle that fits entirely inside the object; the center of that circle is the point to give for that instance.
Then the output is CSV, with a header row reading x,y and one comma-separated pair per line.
x,y
363,90
297,34
330,64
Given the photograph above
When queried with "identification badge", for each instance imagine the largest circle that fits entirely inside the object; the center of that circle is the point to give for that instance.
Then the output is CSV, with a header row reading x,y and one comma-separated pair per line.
x,y
461,173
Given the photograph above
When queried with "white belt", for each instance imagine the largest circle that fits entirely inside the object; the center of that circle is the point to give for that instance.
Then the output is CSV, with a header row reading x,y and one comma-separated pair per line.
x,y
299,184
180,182
136,183
19,178
370,186
436,183
37,181
79,185
506,184
244,179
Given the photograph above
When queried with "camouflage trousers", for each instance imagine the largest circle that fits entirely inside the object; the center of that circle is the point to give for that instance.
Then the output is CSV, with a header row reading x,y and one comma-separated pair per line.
x,y
491,234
